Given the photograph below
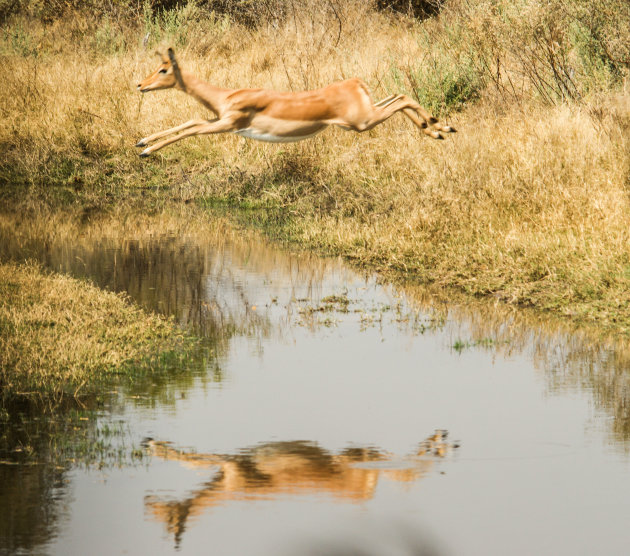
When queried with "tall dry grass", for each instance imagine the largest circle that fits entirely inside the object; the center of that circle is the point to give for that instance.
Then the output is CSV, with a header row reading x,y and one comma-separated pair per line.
x,y
529,202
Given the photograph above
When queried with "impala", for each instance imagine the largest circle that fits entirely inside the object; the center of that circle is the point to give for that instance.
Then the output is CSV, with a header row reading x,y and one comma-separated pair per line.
x,y
276,469
276,116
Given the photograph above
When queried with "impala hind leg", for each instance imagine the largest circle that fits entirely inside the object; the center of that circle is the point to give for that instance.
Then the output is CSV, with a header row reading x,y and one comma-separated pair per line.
x,y
415,109
385,101
146,140
432,128
418,115
428,118
217,126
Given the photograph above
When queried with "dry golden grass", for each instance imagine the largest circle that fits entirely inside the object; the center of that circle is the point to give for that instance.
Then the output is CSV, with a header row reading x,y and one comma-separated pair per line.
x,y
61,337
528,203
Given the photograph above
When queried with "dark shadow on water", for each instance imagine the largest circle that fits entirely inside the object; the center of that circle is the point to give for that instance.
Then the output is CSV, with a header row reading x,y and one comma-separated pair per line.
x,y
370,538
36,452
34,500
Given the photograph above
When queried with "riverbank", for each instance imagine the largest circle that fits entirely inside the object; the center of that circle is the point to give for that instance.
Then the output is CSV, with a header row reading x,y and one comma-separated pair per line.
x,y
528,203
65,338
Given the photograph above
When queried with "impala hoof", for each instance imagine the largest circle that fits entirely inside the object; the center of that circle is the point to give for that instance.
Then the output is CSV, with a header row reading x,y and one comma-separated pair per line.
x,y
141,143
144,154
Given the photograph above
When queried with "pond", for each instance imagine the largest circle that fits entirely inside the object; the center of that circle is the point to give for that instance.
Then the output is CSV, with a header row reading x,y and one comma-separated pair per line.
x,y
325,414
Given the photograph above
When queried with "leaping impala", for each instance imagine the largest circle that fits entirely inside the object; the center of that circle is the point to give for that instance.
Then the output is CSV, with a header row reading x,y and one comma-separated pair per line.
x,y
279,117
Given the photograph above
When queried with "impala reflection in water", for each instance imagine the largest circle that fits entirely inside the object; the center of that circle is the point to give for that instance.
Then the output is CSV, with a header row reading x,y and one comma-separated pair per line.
x,y
276,468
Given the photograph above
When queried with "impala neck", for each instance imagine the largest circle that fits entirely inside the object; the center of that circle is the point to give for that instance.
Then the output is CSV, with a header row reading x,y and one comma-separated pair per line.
x,y
210,96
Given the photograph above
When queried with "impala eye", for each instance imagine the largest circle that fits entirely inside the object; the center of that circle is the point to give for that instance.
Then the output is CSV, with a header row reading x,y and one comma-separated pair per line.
x,y
162,71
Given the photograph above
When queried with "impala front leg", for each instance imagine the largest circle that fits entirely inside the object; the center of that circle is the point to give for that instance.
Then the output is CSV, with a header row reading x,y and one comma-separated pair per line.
x,y
191,123
218,126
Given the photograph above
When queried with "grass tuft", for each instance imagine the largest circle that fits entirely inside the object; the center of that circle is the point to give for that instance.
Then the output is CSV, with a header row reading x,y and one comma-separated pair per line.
x,y
61,337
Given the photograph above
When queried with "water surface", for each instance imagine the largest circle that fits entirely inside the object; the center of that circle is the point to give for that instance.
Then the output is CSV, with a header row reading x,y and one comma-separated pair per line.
x,y
330,415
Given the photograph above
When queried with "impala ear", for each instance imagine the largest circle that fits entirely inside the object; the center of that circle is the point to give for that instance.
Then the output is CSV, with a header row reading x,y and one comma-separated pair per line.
x,y
176,70
171,56
163,57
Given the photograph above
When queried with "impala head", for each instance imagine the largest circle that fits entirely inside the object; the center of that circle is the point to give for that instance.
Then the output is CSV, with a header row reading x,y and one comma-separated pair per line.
x,y
166,76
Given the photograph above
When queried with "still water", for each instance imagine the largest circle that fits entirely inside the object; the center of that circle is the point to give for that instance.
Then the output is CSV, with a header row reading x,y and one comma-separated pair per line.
x,y
329,415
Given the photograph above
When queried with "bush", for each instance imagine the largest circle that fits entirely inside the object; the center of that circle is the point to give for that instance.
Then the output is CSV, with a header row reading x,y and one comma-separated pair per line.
x,y
420,9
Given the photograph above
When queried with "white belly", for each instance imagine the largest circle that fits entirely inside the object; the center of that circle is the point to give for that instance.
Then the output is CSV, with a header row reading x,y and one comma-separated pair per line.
x,y
252,133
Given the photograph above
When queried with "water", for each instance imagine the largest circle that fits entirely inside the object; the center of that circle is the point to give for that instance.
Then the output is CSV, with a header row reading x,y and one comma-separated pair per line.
x,y
328,415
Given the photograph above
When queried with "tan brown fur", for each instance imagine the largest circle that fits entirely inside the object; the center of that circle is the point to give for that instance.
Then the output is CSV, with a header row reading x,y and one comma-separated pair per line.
x,y
280,116
278,468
